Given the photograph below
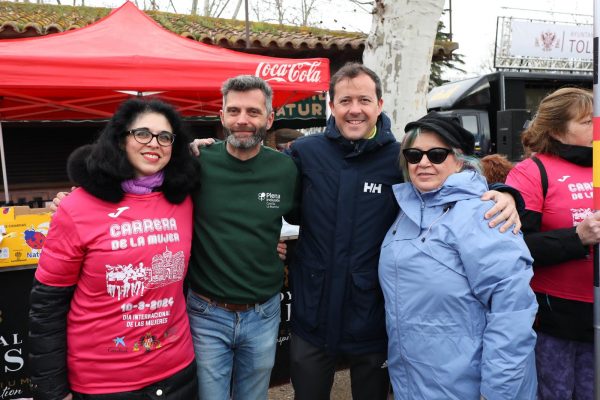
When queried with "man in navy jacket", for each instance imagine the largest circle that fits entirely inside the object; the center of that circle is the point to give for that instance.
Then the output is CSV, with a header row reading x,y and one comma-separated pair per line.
x,y
347,207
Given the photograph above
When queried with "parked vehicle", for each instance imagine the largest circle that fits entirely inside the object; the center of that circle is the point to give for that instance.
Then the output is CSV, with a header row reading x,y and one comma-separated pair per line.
x,y
495,107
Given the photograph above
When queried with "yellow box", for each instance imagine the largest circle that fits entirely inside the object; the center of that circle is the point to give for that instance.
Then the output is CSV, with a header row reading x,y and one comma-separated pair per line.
x,y
23,231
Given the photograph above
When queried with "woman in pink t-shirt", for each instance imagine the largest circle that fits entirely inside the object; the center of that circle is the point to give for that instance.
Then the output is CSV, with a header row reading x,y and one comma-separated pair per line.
x,y
108,317
559,227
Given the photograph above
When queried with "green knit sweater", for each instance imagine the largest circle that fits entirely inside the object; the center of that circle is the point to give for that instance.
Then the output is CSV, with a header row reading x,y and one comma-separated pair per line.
x,y
237,221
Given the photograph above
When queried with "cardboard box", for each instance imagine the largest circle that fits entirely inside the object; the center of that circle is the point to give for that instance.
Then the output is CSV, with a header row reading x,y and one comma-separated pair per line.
x,y
23,231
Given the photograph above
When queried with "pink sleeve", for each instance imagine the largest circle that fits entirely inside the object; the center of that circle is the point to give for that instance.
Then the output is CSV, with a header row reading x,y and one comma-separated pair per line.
x,y
525,177
63,252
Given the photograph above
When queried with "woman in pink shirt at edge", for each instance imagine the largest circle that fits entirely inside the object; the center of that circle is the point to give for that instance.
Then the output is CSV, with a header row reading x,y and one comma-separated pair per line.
x,y
108,318
560,227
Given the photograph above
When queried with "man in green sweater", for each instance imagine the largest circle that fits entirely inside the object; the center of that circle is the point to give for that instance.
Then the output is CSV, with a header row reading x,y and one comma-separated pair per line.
x,y
235,273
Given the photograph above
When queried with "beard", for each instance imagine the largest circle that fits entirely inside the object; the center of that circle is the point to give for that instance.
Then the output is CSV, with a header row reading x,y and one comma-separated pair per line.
x,y
247,143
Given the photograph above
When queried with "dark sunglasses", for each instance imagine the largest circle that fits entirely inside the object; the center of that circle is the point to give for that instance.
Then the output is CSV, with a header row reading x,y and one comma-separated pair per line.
x,y
144,136
437,155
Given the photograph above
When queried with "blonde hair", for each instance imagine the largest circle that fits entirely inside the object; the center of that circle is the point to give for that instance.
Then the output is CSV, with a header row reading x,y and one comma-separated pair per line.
x,y
554,113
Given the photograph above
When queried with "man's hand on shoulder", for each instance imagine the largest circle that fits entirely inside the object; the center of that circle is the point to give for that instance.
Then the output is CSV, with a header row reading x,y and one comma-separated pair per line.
x,y
59,196
196,144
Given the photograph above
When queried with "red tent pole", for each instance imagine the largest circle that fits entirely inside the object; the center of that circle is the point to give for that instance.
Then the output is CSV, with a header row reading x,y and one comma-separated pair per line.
x,y
596,181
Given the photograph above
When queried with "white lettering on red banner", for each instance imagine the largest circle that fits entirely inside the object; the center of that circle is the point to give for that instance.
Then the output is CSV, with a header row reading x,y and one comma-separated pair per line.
x,y
297,72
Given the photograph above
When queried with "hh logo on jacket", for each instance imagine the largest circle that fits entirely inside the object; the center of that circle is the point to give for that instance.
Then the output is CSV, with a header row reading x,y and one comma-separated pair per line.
x,y
372,188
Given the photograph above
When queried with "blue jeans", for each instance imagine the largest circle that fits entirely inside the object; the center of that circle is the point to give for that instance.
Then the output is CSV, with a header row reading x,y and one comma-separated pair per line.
x,y
234,348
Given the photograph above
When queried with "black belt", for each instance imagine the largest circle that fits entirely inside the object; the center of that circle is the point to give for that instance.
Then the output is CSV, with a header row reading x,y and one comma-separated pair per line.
x,y
227,306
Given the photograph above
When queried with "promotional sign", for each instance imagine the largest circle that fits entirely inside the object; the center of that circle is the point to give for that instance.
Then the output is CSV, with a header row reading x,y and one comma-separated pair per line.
x,y
280,373
14,308
310,108
546,40
22,234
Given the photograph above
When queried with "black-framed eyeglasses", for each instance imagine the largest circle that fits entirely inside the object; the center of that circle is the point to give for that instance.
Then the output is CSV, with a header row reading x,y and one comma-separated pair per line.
x,y
144,136
436,155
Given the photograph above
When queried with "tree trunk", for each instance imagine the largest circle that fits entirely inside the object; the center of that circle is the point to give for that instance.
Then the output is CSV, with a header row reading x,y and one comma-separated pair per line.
x,y
399,50
194,7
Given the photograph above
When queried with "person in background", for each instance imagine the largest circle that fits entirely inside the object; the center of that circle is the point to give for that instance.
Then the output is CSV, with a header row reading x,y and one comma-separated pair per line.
x,y
284,137
495,168
347,206
108,315
560,227
458,305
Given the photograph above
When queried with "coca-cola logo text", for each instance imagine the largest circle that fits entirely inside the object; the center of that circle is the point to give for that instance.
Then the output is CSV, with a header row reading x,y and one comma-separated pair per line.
x,y
299,72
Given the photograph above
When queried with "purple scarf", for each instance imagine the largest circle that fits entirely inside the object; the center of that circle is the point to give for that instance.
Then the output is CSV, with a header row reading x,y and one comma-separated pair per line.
x,y
143,185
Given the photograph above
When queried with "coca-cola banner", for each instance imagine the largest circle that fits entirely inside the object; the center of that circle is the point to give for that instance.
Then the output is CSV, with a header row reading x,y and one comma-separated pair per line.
x,y
291,72
545,40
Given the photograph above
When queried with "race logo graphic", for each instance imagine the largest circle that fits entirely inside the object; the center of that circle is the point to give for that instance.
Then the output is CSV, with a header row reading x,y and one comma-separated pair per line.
x,y
547,40
171,333
579,214
34,239
166,269
148,342
119,345
271,200
127,280
119,341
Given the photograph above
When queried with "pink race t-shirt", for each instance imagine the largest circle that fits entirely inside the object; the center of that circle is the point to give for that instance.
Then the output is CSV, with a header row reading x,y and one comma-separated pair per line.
x,y
568,201
127,326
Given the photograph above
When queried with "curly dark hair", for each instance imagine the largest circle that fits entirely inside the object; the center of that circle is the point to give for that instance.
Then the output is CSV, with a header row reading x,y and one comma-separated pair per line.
x,y
107,163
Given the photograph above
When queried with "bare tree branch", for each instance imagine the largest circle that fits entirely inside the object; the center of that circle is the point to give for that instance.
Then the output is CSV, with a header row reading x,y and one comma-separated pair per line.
x,y
364,5
237,9
225,3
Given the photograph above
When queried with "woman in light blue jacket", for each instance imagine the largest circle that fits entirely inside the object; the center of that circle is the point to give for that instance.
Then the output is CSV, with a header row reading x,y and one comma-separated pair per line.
x,y
459,309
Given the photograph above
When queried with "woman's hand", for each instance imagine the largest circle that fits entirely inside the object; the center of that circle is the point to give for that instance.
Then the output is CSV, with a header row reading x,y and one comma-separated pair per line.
x,y
588,230
198,143
68,397
505,211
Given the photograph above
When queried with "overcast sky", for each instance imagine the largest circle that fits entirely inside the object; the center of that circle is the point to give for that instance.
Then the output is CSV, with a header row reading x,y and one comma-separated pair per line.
x,y
476,36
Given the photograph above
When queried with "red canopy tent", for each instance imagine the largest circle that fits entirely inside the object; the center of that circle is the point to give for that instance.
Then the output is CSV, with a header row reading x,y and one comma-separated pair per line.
x,y
86,73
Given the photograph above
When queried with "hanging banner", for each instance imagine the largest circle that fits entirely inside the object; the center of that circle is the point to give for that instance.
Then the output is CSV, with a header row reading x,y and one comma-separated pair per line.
x,y
545,40
310,108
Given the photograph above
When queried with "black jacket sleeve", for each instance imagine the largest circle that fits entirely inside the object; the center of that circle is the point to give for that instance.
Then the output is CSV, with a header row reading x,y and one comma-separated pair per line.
x,y
519,202
293,217
48,340
550,247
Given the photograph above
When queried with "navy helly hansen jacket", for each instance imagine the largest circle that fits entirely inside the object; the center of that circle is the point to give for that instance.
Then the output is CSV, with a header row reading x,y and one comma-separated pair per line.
x,y
347,207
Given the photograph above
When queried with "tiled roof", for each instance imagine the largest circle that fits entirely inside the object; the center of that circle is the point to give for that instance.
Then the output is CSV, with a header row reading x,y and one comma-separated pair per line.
x,y
19,20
